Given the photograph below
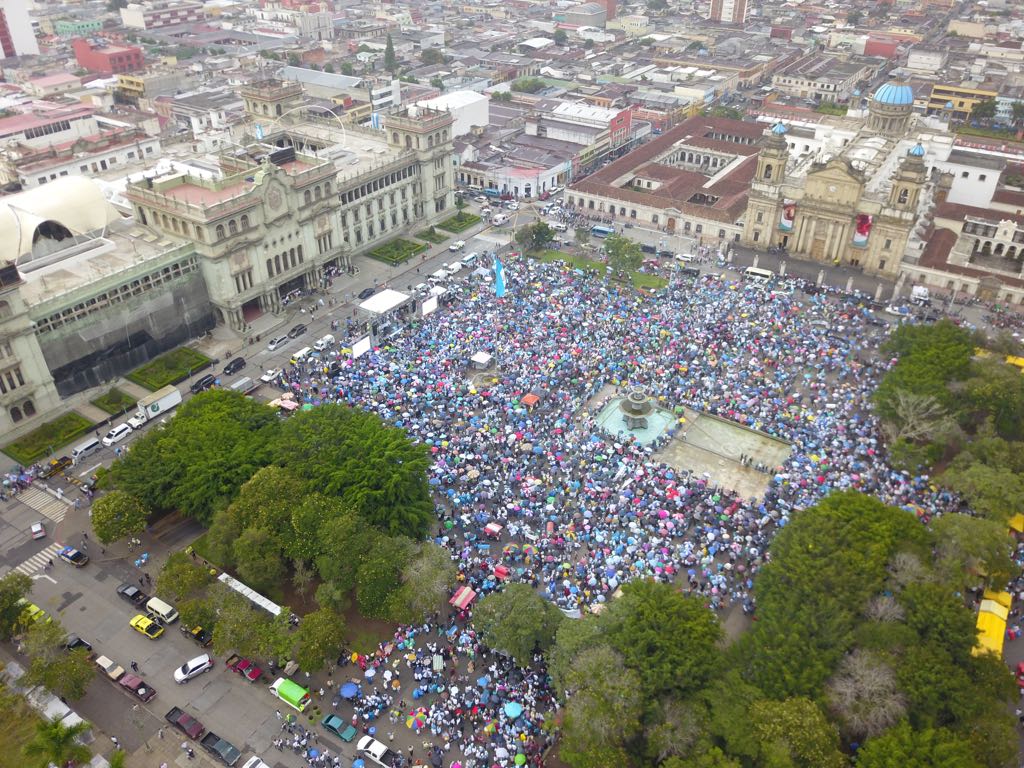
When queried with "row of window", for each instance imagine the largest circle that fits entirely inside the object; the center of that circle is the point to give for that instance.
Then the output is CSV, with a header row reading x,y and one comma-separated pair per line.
x,y
356,231
11,379
316,194
58,126
122,293
25,410
378,184
283,261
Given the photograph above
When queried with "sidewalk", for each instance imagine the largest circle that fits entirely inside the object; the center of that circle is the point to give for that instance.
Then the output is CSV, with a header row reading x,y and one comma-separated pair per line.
x,y
158,752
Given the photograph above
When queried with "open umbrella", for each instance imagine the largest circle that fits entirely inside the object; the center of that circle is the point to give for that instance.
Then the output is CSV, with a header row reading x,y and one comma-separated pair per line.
x,y
417,718
370,673
358,763
349,690
513,709
520,759
491,726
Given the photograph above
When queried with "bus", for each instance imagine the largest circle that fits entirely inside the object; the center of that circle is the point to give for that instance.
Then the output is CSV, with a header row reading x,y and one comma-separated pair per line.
x,y
758,275
599,231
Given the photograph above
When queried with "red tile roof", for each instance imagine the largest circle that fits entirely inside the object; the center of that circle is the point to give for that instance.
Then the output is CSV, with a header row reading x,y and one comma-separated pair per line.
x,y
959,212
936,254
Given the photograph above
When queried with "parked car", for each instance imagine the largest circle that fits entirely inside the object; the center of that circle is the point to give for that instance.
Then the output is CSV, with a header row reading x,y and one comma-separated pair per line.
x,y
132,594
185,723
234,366
151,628
220,748
343,729
74,642
38,530
73,557
55,467
245,667
202,384
193,668
200,635
458,245
110,668
137,687
116,435
276,344
296,331
269,375
366,293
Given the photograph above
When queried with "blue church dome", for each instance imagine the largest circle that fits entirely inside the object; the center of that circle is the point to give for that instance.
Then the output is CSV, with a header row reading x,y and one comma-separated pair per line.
x,y
916,151
779,129
895,95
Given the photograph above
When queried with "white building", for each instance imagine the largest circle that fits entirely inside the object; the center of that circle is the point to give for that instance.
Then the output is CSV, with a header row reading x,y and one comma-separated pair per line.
x,y
20,39
467,107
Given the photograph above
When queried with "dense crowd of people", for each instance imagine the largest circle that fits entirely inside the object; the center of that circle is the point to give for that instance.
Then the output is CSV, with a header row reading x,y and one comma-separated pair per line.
x,y
582,511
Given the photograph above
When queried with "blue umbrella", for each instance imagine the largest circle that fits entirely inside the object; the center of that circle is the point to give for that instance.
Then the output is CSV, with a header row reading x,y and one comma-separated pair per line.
x,y
513,709
358,763
349,690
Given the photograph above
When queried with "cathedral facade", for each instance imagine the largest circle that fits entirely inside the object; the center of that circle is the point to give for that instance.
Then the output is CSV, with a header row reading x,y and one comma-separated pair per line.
x,y
854,203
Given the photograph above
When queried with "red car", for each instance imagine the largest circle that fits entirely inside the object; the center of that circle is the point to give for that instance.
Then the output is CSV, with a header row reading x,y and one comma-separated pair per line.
x,y
137,686
245,667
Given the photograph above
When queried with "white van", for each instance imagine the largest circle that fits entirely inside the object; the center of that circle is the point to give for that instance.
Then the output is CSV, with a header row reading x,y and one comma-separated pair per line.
x,y
470,259
243,385
301,355
558,226
162,610
499,219
439,276
323,342
84,449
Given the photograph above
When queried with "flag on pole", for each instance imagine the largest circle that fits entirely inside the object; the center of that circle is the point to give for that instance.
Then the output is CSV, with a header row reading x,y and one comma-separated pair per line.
x,y
499,277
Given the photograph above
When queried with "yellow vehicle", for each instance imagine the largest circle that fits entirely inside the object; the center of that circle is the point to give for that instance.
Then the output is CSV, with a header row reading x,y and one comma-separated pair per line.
x,y
147,626
31,613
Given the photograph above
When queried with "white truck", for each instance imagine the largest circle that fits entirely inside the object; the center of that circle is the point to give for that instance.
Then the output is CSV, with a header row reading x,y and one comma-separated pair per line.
x,y
377,752
155,405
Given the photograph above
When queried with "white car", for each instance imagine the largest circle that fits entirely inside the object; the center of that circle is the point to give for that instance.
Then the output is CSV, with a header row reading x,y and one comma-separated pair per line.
x,y
255,762
452,268
458,245
269,375
192,668
686,258
116,435
277,343
513,206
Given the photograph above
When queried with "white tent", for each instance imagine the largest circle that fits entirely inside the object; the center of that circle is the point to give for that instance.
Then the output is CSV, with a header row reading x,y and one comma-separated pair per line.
x,y
384,301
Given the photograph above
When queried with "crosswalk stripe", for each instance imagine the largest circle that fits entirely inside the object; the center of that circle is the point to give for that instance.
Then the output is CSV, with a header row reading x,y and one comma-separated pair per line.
x,y
38,560
44,503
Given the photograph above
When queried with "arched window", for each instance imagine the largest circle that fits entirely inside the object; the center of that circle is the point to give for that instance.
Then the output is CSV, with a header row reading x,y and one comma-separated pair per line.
x,y
199,233
244,221
430,141
278,110
316,192
327,189
394,137
768,171
270,267
232,227
904,194
408,142
15,414
28,408
306,197
220,231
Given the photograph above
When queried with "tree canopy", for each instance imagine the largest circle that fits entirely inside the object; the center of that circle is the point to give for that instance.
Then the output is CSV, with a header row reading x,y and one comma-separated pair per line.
x,y
517,621
624,255
117,515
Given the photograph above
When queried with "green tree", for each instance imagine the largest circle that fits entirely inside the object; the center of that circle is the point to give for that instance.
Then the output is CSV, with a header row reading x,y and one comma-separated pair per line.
x,y
347,69
995,390
528,85
293,59
624,255
604,713
427,580
63,672
117,515
243,628
1017,109
379,575
345,541
582,236
181,578
303,539
319,639
798,729
560,37
13,588
54,743
258,559
373,467
984,110
432,56
501,96
536,236
728,700
707,756
939,619
572,638
329,68
903,747
853,17
517,621
971,550
657,5
437,82
671,640
588,43
215,442
390,63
